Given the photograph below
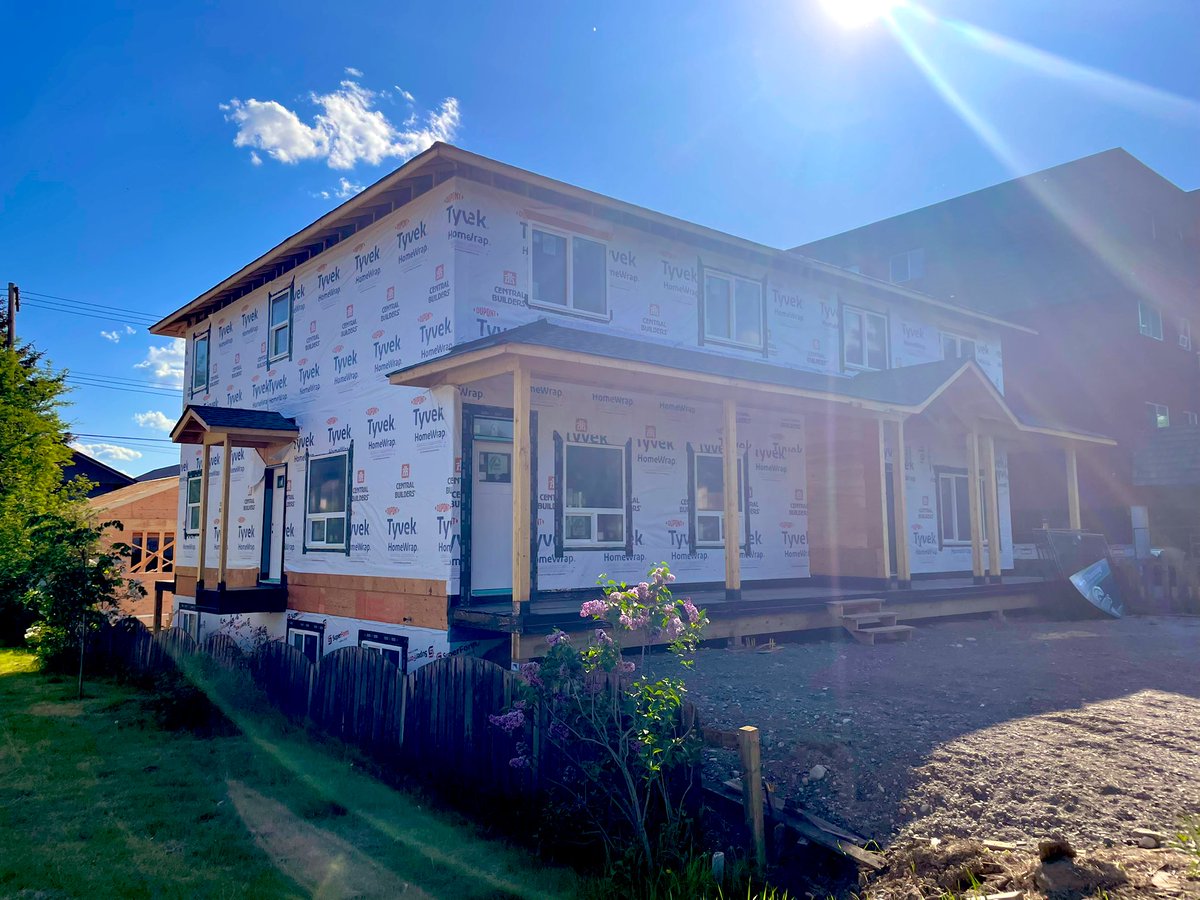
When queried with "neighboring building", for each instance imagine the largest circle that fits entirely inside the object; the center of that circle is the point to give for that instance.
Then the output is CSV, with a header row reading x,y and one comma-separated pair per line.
x,y
147,510
104,478
434,416
1101,257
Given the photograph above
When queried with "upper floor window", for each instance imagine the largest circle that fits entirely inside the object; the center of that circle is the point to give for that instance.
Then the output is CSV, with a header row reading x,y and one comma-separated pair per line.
x,y
864,339
733,310
569,273
907,266
200,363
191,523
1185,334
328,496
955,346
1190,418
594,500
279,310
1158,415
1149,321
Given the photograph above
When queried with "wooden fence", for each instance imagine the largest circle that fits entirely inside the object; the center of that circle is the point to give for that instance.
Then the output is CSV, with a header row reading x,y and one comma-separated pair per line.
x,y
1161,585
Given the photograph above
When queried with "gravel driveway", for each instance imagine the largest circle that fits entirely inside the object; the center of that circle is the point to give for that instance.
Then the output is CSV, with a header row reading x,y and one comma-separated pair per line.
x,y
1003,731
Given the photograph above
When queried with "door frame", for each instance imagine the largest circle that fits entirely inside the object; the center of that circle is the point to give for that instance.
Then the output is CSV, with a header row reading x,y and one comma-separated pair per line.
x,y
282,527
471,411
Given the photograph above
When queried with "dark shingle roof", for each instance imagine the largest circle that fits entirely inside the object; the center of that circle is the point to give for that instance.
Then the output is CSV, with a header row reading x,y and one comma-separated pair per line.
x,y
161,472
1170,457
233,417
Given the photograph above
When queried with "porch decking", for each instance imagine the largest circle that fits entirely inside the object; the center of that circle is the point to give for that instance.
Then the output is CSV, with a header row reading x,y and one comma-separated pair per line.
x,y
777,610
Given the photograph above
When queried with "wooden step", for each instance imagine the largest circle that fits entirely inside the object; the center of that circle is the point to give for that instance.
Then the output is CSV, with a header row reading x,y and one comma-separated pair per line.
x,y
841,608
892,632
855,621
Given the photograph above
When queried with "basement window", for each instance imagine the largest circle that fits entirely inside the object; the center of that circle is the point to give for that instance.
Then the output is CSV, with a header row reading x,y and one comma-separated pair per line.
x,y
325,521
733,310
279,311
307,642
394,647
570,273
710,499
200,363
594,499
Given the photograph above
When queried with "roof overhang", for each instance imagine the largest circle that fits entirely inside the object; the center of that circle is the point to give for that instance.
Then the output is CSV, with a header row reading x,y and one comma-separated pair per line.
x,y
441,162
265,431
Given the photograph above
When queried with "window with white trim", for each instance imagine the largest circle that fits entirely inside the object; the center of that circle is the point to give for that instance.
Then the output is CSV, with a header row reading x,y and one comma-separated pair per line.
x,y
200,363
325,510
569,272
1185,334
864,339
1149,321
192,522
1190,418
955,346
594,496
1158,415
279,328
907,266
307,642
394,648
189,621
733,310
710,499
954,507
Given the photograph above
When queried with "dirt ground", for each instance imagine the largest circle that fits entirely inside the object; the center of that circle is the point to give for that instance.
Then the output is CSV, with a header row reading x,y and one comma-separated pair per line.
x,y
974,729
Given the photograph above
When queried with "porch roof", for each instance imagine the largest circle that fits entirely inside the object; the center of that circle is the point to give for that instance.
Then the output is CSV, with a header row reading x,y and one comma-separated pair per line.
x,y
907,390
244,427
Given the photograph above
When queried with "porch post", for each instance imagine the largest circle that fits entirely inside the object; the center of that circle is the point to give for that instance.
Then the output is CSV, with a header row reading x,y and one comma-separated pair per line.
x,y
204,448
1073,489
226,462
733,549
974,507
521,491
992,508
883,506
900,507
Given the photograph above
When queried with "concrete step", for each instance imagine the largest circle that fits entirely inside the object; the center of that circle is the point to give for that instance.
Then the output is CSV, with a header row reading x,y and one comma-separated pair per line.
x,y
891,632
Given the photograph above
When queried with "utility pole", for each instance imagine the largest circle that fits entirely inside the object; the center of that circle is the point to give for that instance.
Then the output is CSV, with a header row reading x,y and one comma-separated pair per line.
x,y
14,307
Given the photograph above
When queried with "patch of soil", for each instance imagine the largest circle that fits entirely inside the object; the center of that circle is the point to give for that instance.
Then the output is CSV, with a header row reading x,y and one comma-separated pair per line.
x,y
65,709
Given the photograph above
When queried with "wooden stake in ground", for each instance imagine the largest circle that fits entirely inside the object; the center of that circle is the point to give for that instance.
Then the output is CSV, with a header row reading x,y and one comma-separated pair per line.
x,y
750,752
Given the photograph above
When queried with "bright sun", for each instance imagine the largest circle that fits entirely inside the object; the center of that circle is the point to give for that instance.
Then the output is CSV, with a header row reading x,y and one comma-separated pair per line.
x,y
858,13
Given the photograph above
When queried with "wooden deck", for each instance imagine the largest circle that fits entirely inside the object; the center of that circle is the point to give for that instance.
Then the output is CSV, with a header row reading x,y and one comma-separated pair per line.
x,y
776,610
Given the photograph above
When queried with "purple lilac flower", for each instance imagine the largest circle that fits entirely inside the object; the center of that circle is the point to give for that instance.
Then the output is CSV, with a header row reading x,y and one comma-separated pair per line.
x,y
509,722
558,637
689,608
529,671
593,608
602,638
519,762
627,666
674,627
643,592
559,731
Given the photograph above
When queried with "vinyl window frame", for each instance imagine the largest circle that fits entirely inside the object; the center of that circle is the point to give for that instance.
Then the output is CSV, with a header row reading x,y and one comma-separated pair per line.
x,y
273,327
914,265
569,308
386,643
733,279
719,515
1150,322
190,504
959,339
960,476
1185,334
343,514
594,512
863,314
1190,417
197,386
318,636
1160,414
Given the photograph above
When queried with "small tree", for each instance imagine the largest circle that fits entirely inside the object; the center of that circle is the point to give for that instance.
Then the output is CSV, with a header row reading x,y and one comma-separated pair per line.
x,y
621,747
77,580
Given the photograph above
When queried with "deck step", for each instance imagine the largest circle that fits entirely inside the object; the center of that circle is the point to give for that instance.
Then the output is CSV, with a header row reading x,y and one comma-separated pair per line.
x,y
892,632
841,608
856,621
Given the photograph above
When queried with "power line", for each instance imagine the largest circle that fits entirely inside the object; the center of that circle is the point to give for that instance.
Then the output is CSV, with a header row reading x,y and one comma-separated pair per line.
x,y
71,373
120,437
91,303
111,317
124,390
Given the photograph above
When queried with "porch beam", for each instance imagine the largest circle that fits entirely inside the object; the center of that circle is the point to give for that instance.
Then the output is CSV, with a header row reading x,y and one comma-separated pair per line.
x,y
733,549
1076,521
204,454
973,506
521,491
226,462
900,507
992,506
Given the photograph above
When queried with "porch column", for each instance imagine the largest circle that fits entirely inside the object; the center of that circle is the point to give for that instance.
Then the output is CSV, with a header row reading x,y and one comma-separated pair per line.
x,y
992,507
883,506
226,462
204,448
733,550
973,499
1073,489
900,507
521,491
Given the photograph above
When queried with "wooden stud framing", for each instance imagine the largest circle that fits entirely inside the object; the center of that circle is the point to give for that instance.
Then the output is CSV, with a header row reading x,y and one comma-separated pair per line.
x,y
900,506
974,499
1076,520
992,506
226,462
883,506
521,488
203,536
733,548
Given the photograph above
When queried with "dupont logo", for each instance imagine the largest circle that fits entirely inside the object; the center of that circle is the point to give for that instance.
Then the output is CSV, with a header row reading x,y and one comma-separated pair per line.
x,y
271,373
402,224
510,278
786,526
377,334
255,378
452,197
373,410
581,425
777,437
359,246
425,317
418,400
229,387
241,520
332,420
322,267
303,362
405,471
392,510
442,507
485,311
338,349
675,523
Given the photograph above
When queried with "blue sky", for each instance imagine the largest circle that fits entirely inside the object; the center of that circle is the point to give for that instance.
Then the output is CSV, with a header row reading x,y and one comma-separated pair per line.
x,y
121,187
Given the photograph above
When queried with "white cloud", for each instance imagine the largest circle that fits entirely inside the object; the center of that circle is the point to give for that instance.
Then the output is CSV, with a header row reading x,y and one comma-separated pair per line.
x,y
346,188
152,418
114,336
347,130
110,452
255,159
405,94
353,72
130,330
165,363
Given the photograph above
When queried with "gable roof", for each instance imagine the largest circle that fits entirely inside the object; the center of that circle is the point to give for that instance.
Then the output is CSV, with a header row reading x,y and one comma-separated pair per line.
x,y
139,490
248,427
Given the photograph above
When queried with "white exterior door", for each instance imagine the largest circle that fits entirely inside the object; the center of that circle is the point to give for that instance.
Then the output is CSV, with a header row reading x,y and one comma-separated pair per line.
x,y
491,518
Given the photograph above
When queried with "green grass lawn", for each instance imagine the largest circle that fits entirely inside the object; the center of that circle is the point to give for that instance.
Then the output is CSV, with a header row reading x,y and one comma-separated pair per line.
x,y
97,800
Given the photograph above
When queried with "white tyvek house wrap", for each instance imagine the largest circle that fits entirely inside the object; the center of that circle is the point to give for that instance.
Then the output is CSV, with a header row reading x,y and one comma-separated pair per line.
x,y
926,450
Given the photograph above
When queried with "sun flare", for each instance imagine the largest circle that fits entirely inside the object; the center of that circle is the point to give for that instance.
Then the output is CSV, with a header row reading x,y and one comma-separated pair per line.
x,y
858,13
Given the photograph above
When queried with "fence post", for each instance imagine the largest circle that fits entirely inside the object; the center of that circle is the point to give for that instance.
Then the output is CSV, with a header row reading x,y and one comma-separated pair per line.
x,y
750,753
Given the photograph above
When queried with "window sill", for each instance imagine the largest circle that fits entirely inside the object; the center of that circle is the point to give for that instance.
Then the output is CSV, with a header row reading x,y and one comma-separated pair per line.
x,y
341,549
572,313
609,547
733,345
